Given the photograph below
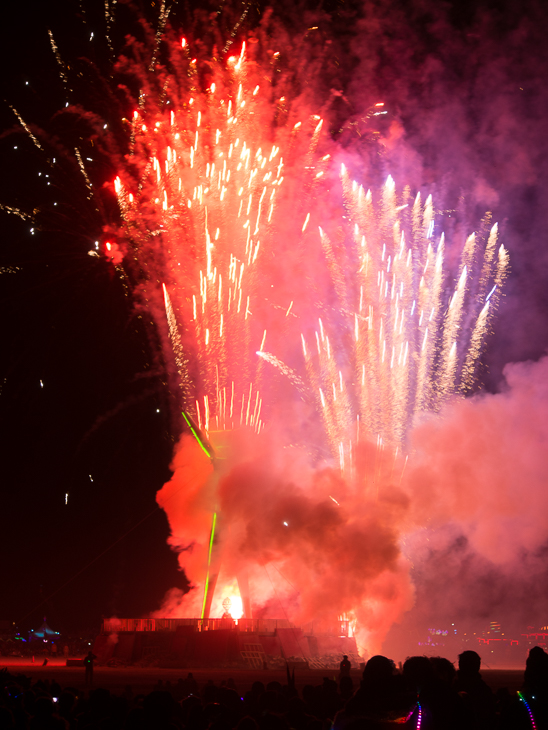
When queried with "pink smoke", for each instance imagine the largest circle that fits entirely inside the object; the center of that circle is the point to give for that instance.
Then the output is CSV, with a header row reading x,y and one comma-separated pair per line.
x,y
482,465
312,546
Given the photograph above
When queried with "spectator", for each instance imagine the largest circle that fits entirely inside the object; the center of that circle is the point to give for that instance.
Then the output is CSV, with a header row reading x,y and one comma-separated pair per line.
x,y
477,696
88,664
344,667
441,706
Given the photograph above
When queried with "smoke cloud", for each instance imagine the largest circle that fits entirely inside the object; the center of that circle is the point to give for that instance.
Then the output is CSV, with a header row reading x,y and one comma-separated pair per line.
x,y
478,485
310,545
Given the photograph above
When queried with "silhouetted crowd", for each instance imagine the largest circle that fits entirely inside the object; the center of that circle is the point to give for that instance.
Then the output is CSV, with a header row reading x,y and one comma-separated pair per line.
x,y
428,693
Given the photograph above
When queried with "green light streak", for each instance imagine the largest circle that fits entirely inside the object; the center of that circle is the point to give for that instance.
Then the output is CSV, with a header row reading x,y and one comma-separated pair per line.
x,y
206,586
212,536
189,424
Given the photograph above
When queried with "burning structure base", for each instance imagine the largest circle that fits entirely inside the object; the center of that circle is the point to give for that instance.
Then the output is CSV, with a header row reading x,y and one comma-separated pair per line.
x,y
245,643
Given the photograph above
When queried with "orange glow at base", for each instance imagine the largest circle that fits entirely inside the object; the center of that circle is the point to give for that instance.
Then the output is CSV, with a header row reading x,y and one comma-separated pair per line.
x,y
231,591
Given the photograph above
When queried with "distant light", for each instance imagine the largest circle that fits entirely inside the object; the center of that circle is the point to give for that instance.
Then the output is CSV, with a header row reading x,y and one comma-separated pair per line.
x,y
41,384
105,126
26,83
90,478
157,410
66,497
66,105
285,523
15,148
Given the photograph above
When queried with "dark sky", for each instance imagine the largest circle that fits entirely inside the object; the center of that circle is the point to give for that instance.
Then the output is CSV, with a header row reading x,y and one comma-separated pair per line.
x,y
99,428
465,81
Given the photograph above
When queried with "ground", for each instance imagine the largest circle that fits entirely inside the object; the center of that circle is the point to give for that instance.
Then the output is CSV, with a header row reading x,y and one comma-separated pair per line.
x,y
144,679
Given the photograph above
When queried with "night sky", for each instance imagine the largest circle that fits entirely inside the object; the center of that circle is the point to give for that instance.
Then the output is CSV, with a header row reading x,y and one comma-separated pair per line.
x,y
85,407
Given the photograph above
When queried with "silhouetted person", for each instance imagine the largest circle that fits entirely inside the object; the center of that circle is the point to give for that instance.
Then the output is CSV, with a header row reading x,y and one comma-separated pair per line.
x,y
380,693
441,706
477,696
535,684
535,678
88,664
344,667
190,685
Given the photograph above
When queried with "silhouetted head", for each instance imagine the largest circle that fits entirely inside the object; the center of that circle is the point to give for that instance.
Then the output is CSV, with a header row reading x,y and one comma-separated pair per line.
x,y
443,669
537,658
43,708
469,662
536,669
247,723
378,667
418,671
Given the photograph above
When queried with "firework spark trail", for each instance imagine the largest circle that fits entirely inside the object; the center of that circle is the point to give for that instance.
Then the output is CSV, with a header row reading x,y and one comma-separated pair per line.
x,y
409,349
284,369
26,128
15,211
178,351
210,187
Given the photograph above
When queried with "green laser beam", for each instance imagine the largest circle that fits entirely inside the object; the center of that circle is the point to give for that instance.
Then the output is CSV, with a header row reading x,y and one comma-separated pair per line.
x,y
212,536
189,424
206,586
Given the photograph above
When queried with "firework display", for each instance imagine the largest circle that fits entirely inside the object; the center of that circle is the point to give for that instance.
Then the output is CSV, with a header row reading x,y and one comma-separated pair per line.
x,y
272,276
202,217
